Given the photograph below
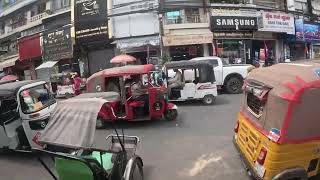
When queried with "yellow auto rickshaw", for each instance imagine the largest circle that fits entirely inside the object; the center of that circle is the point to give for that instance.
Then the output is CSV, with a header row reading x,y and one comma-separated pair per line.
x,y
277,133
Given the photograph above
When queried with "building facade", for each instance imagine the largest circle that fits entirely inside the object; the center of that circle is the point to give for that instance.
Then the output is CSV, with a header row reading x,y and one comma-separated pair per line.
x,y
239,31
135,28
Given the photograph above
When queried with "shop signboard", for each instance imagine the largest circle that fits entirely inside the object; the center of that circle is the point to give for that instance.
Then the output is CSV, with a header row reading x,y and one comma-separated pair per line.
x,y
29,47
233,23
57,44
187,39
232,35
276,22
90,21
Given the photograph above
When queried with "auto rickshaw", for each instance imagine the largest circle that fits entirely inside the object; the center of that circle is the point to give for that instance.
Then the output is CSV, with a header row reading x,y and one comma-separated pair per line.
x,y
124,106
277,131
200,86
69,140
25,107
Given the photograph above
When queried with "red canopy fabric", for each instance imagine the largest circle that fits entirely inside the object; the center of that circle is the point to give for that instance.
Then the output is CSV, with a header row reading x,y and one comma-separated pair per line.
x,y
123,59
9,78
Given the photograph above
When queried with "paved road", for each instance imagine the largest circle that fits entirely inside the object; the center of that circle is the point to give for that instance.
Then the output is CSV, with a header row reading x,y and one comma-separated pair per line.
x,y
196,146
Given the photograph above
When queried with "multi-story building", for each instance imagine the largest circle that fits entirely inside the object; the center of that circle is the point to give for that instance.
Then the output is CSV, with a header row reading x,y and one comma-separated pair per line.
x,y
21,25
135,28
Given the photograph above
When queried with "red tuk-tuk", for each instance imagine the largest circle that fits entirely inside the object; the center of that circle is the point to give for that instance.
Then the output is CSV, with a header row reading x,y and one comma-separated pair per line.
x,y
115,85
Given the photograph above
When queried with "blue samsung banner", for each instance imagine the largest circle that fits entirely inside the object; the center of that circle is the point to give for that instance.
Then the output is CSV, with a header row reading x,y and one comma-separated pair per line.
x,y
307,31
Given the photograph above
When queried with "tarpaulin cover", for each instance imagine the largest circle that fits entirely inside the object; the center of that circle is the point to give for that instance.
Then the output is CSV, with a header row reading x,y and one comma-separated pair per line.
x,y
73,123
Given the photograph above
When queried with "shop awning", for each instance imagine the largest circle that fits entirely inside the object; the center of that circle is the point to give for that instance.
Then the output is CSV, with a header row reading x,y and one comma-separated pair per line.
x,y
8,61
48,64
129,43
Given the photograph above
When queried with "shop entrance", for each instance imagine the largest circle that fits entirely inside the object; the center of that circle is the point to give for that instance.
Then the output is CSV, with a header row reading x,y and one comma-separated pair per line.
x,y
263,51
187,52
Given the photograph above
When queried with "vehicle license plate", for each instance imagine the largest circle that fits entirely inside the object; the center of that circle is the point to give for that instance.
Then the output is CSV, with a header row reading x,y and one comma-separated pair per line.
x,y
260,170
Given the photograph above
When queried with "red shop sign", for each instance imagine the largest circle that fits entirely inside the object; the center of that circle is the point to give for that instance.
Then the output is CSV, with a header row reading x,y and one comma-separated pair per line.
x,y
29,47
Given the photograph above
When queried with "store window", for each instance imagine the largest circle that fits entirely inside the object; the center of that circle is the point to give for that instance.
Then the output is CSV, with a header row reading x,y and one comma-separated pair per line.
x,y
65,3
230,1
192,16
230,51
316,50
173,17
187,52
41,8
298,51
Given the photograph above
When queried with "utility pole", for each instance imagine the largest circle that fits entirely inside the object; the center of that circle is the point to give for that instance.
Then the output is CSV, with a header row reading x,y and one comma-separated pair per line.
x,y
161,31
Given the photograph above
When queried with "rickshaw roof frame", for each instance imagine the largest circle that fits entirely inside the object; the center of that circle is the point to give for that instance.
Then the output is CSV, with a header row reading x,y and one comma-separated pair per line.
x,y
12,88
295,87
123,71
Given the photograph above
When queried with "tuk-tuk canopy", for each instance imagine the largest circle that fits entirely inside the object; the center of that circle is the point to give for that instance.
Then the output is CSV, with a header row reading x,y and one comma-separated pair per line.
x,y
191,64
98,79
286,98
9,88
279,75
73,122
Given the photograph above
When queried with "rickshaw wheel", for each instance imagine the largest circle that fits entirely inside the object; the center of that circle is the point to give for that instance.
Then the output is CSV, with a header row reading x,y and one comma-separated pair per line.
x,y
208,99
171,114
100,124
137,174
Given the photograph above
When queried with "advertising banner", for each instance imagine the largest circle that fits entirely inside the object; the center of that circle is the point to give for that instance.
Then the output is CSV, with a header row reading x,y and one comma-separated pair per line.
x,y
57,44
307,31
90,21
277,22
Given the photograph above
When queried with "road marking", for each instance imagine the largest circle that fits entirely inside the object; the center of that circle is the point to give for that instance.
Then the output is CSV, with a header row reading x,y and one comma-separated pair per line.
x,y
201,163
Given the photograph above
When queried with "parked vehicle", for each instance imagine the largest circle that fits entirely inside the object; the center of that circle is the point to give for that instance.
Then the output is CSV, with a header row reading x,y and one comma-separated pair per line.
x,y
123,103
69,140
229,77
277,132
25,107
201,86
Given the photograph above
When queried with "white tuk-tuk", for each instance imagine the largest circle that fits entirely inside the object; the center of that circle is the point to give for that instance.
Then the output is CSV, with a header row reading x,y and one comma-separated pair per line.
x,y
198,84
25,107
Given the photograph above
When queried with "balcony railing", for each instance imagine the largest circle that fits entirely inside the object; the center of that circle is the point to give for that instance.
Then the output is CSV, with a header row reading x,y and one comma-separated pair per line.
x,y
275,4
38,17
24,24
186,19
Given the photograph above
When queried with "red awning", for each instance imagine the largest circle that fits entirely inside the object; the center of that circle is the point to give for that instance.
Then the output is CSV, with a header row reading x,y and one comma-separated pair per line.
x,y
29,47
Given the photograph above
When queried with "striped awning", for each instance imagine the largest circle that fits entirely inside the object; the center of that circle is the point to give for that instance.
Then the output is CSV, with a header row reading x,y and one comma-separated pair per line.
x,y
8,61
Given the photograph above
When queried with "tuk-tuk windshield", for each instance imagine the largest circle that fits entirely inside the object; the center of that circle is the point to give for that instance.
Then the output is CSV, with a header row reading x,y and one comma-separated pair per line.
x,y
35,99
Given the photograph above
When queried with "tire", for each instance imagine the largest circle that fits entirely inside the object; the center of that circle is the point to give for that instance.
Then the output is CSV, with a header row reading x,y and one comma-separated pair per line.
x,y
171,114
208,99
137,174
234,85
100,124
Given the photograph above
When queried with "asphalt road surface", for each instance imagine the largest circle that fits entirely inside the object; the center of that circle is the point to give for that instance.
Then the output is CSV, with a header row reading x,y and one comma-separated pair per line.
x,y
197,146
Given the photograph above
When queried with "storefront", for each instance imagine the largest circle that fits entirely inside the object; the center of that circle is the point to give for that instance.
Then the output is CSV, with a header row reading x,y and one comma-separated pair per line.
x,y
142,48
305,43
92,45
29,56
232,35
279,25
185,47
57,55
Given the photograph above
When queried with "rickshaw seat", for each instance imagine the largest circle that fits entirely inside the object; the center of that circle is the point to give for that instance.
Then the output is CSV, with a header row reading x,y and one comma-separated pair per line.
x,y
106,159
72,169
79,167
136,103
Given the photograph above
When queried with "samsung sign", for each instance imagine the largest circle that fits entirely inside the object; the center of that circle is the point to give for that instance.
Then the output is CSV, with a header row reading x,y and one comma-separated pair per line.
x,y
233,23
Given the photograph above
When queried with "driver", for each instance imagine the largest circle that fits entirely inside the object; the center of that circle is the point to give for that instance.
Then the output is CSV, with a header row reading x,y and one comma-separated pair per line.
x,y
138,90
176,81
